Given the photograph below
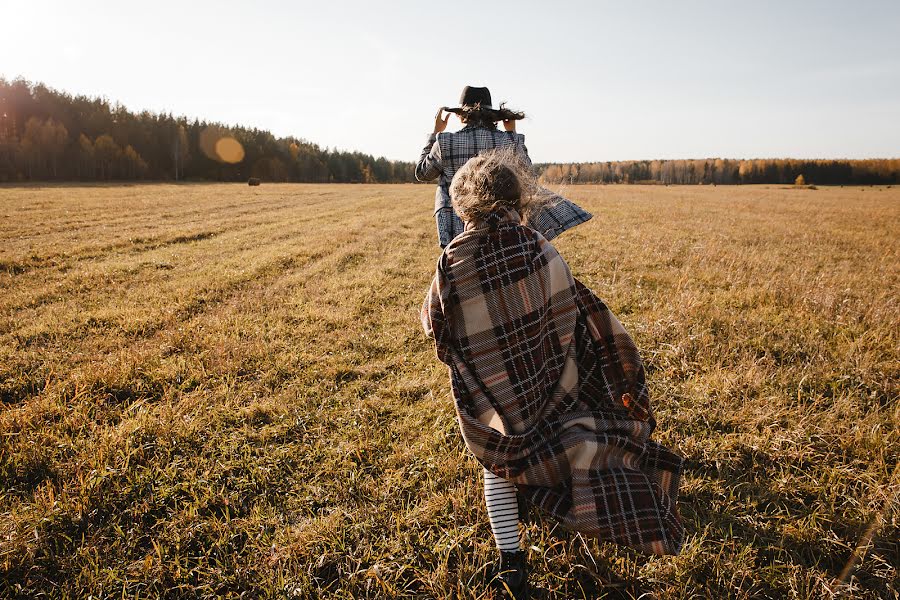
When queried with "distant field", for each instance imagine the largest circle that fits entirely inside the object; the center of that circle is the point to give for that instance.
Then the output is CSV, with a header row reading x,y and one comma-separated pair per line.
x,y
210,390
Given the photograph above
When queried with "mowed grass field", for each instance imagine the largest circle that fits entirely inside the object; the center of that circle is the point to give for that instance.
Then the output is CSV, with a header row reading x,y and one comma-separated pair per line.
x,y
216,390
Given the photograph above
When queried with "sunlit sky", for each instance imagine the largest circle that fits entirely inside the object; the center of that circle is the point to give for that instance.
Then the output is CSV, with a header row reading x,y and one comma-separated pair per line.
x,y
598,80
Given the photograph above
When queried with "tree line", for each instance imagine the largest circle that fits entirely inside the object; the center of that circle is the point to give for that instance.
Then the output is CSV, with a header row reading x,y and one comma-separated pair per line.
x,y
50,135
725,171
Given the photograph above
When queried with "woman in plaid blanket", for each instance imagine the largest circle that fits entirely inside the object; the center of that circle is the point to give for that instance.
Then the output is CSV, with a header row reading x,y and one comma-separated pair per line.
x,y
549,387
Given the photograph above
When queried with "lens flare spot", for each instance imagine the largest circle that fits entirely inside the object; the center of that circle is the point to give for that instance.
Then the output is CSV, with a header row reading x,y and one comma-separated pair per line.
x,y
229,150
219,145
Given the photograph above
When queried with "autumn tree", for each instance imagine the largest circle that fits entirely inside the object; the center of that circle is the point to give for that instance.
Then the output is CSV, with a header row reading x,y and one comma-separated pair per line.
x,y
54,137
86,166
108,154
134,167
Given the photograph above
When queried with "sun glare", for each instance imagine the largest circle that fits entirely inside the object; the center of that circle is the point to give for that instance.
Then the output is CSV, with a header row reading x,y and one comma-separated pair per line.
x,y
229,150
218,145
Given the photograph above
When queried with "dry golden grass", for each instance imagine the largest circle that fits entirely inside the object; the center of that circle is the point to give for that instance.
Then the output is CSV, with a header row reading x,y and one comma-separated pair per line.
x,y
212,390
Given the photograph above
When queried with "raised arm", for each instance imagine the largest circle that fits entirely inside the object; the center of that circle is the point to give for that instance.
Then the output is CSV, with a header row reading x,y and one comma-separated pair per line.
x,y
429,166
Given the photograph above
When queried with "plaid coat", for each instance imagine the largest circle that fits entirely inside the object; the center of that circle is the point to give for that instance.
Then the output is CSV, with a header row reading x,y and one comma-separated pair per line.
x,y
446,152
549,388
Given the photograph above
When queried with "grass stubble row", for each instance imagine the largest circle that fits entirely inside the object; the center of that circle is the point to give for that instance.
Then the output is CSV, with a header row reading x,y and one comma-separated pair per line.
x,y
213,391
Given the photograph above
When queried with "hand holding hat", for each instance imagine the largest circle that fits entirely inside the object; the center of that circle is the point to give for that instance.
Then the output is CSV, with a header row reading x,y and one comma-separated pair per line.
x,y
439,123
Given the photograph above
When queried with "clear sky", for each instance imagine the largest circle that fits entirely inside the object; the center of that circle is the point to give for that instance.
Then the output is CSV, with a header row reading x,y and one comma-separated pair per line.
x,y
599,80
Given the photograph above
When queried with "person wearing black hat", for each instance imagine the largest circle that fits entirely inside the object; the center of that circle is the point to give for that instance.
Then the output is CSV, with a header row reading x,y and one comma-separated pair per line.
x,y
445,152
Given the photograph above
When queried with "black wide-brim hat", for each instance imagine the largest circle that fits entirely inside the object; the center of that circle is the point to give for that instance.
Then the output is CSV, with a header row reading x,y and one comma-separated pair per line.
x,y
472,97
477,101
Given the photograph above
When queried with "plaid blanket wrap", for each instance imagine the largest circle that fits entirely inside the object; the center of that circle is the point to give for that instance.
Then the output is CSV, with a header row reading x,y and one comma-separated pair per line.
x,y
549,387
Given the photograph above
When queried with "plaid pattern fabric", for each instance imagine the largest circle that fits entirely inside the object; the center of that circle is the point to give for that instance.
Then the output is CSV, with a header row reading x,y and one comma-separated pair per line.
x,y
446,152
549,387
449,225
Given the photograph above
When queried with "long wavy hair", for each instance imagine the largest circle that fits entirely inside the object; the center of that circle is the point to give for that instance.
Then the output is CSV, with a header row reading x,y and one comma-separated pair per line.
x,y
476,116
498,178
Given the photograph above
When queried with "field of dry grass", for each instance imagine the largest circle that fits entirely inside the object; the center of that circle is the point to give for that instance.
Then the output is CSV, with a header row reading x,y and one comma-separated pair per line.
x,y
212,390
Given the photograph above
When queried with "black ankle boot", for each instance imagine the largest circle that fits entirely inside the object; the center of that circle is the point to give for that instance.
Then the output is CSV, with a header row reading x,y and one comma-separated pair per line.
x,y
512,576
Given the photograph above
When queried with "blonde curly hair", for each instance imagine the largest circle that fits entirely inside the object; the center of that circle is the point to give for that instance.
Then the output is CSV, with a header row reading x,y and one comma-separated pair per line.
x,y
498,178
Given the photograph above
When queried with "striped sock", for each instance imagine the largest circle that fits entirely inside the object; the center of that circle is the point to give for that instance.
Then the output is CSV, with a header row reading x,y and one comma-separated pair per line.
x,y
503,511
